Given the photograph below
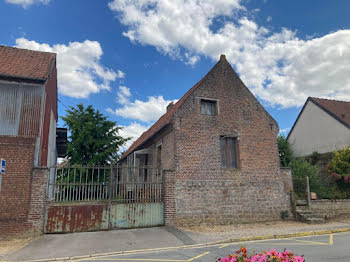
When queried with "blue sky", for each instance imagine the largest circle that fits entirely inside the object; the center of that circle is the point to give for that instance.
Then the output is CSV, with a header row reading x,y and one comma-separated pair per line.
x,y
131,58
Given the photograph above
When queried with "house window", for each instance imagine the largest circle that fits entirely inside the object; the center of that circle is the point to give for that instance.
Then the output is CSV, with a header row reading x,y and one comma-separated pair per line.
x,y
208,107
229,152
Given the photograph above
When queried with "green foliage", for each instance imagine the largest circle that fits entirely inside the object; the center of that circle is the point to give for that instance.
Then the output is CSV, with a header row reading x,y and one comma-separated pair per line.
x,y
93,139
340,163
285,151
300,170
315,156
339,171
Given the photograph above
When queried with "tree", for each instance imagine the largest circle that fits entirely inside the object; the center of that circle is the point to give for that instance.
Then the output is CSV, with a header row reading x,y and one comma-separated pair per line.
x,y
93,139
285,151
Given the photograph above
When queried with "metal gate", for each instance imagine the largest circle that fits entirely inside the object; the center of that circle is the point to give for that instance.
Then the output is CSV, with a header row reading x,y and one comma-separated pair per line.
x,y
105,197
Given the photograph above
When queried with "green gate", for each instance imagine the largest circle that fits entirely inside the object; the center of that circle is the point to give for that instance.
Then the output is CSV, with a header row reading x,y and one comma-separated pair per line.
x,y
105,197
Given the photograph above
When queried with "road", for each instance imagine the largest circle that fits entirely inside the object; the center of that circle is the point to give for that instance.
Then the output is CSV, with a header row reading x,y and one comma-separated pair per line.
x,y
333,247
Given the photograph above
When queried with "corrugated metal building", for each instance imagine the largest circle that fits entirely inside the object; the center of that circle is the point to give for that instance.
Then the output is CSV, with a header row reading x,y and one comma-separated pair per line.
x,y
28,117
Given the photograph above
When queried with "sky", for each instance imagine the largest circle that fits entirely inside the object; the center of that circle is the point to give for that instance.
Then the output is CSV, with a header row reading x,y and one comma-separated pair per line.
x,y
130,58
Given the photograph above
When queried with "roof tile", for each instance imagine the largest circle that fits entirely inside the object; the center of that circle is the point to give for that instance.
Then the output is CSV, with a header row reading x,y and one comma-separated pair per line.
x,y
25,63
341,109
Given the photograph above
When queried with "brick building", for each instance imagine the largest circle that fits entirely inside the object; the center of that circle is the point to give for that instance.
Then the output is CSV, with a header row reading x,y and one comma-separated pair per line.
x,y
28,116
217,147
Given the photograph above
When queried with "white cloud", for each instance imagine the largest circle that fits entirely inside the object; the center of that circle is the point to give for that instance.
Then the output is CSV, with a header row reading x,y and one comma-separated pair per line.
x,y
80,72
280,68
284,131
269,19
123,95
120,74
145,111
134,130
26,3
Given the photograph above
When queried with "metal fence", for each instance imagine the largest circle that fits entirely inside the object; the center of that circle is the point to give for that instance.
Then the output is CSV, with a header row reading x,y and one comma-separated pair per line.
x,y
117,183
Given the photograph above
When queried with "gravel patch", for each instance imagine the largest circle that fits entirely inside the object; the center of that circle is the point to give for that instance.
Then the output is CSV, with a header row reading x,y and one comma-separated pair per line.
x,y
9,246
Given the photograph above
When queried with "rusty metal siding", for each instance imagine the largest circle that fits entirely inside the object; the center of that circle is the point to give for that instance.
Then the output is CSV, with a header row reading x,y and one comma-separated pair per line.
x,y
133,215
76,218
20,109
30,121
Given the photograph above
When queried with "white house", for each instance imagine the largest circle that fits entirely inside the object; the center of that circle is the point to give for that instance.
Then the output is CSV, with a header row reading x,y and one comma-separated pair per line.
x,y
323,126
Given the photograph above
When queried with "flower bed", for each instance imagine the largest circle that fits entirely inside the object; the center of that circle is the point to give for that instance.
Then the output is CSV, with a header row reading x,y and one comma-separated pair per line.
x,y
267,256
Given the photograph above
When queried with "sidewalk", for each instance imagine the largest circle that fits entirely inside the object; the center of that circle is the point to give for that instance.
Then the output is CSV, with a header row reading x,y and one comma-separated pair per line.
x,y
78,244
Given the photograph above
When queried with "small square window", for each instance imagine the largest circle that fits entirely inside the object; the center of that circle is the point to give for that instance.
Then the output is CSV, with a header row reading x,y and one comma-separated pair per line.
x,y
208,107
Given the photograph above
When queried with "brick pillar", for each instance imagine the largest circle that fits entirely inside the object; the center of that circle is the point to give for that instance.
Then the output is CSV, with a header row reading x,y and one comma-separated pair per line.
x,y
37,205
169,197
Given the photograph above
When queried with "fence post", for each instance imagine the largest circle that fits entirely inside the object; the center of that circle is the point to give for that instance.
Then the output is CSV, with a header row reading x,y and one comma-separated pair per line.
x,y
110,196
308,199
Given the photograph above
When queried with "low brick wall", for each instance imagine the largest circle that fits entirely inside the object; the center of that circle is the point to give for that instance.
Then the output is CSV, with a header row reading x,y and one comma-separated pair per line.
x,y
228,202
331,208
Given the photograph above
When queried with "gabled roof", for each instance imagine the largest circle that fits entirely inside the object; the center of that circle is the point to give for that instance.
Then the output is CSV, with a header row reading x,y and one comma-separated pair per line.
x,y
25,64
165,119
339,110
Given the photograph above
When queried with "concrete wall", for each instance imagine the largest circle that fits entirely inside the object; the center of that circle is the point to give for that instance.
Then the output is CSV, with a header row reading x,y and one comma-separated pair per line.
x,y
317,131
331,208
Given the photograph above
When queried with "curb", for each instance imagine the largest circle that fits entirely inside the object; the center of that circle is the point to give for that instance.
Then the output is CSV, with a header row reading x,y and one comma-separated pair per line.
x,y
226,241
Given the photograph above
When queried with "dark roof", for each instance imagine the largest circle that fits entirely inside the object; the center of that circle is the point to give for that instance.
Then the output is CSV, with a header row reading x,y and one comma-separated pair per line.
x,y
339,110
25,64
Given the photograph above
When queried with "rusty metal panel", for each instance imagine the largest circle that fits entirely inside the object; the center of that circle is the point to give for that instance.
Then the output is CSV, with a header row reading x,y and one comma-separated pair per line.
x,y
76,218
134,215
20,109
10,104
30,119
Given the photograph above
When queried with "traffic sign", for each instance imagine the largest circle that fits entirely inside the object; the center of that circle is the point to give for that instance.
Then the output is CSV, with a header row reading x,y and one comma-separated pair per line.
x,y
3,166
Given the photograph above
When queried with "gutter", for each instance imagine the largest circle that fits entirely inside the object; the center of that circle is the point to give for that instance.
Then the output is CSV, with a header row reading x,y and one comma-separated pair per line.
x,y
35,80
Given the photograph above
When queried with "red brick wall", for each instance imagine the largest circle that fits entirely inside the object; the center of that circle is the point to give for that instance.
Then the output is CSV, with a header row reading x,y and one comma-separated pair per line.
x,y
23,189
16,183
206,192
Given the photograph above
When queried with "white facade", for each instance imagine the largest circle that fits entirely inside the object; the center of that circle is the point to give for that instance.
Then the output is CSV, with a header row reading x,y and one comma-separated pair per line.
x,y
316,130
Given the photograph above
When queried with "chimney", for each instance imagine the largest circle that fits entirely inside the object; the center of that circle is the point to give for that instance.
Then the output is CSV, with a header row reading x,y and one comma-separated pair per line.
x,y
171,104
222,57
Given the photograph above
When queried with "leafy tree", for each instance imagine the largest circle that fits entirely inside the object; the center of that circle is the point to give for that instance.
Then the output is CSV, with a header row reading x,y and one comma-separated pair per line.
x,y
93,139
285,151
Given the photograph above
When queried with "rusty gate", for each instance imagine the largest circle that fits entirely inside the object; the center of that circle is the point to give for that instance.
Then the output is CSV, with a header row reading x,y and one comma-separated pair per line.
x,y
104,197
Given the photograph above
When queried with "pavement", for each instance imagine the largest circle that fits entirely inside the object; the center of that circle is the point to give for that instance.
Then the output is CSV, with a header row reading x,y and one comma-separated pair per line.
x,y
175,244
322,248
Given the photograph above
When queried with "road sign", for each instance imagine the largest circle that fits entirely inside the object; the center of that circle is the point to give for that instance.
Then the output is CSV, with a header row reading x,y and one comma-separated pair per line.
x,y
3,166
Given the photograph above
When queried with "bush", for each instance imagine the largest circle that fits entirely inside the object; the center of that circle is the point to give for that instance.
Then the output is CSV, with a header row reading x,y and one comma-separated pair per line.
x,y
339,171
243,256
300,170
285,151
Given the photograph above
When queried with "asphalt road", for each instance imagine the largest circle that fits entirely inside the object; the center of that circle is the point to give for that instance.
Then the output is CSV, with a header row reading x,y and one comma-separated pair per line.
x,y
334,248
